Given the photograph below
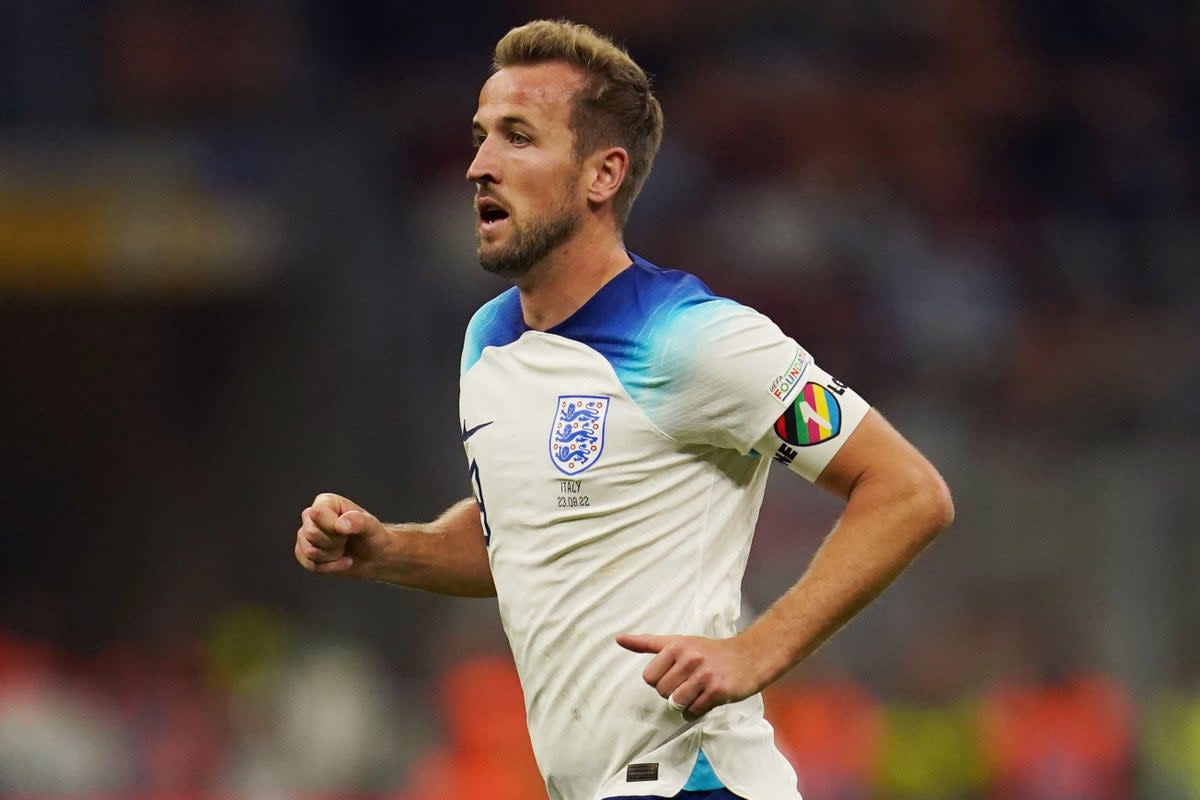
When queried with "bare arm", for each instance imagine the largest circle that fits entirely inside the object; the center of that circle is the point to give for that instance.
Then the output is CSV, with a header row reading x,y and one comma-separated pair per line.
x,y
448,556
896,503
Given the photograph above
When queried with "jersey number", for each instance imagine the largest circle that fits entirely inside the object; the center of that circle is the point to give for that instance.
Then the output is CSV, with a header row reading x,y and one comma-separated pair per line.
x,y
477,487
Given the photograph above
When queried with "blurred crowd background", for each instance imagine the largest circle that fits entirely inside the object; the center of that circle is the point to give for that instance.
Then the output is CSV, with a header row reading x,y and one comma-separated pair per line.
x,y
236,261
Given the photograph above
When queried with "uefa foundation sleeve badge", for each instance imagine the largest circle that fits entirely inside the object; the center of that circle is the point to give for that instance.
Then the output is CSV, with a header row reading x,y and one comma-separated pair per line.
x,y
577,433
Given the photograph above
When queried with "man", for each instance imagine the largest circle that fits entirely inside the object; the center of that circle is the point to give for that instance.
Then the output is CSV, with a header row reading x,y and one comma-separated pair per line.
x,y
618,421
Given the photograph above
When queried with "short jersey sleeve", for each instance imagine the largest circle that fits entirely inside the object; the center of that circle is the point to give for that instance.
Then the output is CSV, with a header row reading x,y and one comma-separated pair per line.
x,y
738,382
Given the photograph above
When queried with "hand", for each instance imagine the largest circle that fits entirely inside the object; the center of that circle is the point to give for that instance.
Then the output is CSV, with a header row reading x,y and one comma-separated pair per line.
x,y
338,537
694,673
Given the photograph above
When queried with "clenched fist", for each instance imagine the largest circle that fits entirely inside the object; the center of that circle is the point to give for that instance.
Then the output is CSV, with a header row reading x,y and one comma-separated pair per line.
x,y
338,537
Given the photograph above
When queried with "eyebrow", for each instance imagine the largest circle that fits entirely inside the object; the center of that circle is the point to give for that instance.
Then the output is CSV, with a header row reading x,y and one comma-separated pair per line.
x,y
507,121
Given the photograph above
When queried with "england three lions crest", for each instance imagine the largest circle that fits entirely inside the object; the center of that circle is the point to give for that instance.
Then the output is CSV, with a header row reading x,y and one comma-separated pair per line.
x,y
577,434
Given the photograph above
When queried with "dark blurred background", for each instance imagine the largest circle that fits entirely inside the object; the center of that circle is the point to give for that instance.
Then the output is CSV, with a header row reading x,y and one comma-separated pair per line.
x,y
236,261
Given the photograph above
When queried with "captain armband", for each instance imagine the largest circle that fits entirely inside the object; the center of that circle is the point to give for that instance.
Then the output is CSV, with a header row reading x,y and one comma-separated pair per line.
x,y
817,417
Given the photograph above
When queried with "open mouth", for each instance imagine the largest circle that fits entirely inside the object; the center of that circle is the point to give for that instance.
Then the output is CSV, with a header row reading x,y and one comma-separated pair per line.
x,y
490,212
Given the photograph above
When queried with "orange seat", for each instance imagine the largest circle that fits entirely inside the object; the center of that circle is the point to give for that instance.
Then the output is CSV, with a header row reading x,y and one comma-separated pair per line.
x,y
830,731
488,753
1072,738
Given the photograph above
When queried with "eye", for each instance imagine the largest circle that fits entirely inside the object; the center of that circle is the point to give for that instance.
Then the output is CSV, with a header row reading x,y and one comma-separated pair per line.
x,y
518,139
477,141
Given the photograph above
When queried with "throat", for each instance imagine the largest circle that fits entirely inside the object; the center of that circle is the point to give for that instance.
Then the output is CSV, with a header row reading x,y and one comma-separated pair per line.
x,y
551,293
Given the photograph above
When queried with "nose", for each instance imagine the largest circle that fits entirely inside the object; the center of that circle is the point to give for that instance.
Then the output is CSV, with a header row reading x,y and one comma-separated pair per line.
x,y
483,166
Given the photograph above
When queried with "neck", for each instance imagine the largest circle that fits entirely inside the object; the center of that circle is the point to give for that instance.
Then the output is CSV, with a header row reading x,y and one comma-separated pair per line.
x,y
560,284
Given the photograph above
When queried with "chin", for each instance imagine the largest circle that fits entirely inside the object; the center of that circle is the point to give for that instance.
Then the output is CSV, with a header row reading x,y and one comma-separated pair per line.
x,y
503,264
519,250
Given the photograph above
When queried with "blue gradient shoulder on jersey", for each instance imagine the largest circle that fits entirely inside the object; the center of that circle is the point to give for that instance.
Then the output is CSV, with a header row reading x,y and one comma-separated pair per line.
x,y
642,322
498,322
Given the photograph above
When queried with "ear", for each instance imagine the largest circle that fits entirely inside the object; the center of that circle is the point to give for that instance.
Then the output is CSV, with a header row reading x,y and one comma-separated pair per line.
x,y
608,173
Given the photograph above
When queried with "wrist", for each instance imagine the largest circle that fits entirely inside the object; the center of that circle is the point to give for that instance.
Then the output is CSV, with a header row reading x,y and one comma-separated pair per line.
x,y
386,562
766,651
406,550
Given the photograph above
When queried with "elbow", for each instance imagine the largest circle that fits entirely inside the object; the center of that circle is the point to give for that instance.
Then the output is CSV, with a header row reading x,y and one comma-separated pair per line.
x,y
935,502
945,506
923,500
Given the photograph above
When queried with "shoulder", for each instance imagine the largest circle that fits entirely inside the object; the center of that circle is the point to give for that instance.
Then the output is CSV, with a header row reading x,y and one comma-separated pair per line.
x,y
497,322
663,284
634,320
684,322
656,292
650,322
680,302
642,303
704,367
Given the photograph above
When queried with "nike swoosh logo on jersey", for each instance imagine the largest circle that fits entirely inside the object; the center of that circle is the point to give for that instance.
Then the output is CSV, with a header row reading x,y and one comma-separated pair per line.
x,y
467,434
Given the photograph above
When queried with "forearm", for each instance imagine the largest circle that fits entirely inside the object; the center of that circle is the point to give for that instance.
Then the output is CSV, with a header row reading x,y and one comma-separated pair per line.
x,y
886,524
447,555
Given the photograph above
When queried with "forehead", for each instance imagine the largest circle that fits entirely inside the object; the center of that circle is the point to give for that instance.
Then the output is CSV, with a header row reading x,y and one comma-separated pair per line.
x,y
542,92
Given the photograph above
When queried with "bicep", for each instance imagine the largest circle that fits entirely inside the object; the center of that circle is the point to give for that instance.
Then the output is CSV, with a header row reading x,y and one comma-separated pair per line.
x,y
874,448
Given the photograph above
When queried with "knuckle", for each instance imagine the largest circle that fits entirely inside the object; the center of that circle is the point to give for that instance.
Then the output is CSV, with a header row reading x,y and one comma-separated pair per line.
x,y
304,562
317,525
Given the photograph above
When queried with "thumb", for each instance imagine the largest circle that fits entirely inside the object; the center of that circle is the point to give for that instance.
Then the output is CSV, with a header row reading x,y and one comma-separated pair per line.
x,y
642,642
355,521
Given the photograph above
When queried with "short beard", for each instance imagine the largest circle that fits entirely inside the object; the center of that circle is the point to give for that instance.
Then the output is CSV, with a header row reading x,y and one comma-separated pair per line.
x,y
530,245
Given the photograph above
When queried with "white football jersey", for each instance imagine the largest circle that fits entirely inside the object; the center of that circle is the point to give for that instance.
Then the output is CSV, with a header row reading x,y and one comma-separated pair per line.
x,y
616,462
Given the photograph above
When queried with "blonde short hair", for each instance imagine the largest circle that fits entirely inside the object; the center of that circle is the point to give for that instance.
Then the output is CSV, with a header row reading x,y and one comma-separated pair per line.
x,y
615,106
